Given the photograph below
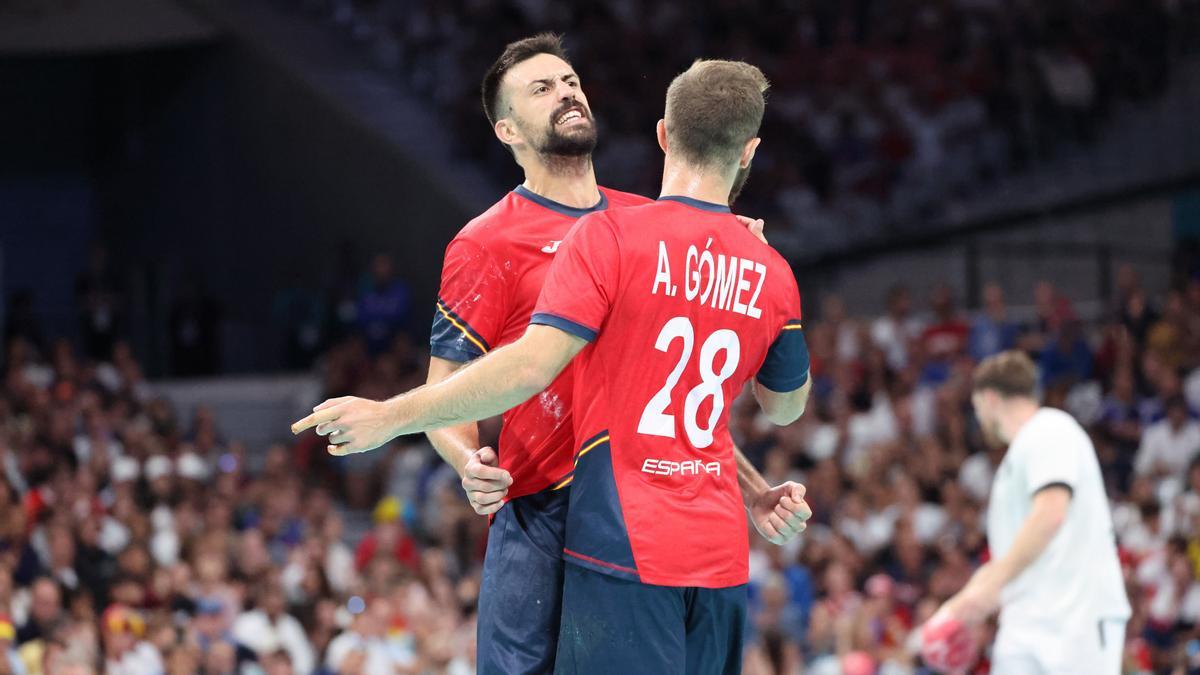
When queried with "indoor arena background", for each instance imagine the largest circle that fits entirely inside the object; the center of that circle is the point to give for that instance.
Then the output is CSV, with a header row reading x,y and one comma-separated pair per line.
x,y
214,214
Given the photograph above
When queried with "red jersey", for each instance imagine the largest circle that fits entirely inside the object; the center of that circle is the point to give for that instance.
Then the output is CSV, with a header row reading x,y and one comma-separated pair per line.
x,y
491,278
684,305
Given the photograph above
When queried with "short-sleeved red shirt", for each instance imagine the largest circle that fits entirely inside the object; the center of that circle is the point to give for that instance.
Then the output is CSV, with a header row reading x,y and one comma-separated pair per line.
x,y
683,305
492,275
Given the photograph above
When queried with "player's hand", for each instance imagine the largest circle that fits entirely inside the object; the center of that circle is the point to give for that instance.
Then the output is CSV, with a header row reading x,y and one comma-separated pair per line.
x,y
352,424
780,513
755,225
947,644
485,483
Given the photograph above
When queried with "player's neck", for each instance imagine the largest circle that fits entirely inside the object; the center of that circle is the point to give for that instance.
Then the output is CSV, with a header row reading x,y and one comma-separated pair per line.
x,y
683,180
570,181
1016,415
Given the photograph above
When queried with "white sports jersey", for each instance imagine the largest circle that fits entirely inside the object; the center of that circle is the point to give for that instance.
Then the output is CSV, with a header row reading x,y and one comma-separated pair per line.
x,y
1077,580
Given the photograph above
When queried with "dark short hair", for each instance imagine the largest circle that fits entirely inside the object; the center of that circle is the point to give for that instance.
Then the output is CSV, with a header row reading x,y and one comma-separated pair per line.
x,y
514,53
713,109
1010,373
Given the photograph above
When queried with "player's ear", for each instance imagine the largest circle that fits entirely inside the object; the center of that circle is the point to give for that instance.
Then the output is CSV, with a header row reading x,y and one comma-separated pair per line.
x,y
748,152
507,132
661,132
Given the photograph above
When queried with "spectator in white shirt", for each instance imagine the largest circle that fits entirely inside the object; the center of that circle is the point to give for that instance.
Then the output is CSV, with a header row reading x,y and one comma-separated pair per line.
x,y
268,627
1169,445
894,331
125,653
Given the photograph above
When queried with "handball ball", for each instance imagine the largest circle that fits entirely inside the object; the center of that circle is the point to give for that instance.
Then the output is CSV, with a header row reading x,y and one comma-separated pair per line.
x,y
947,645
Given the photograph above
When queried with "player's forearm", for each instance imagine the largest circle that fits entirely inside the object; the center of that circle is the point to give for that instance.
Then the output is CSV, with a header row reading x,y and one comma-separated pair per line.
x,y
503,379
455,444
750,480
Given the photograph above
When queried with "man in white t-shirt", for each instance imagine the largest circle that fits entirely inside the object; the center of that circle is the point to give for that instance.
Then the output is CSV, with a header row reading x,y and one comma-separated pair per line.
x,y
1170,444
1053,573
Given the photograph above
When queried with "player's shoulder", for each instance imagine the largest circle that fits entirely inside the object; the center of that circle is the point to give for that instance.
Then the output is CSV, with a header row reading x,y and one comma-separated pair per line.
x,y
1051,427
491,225
1056,420
619,199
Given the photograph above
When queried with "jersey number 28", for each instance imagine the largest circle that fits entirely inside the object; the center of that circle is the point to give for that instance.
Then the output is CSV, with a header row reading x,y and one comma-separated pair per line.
x,y
655,419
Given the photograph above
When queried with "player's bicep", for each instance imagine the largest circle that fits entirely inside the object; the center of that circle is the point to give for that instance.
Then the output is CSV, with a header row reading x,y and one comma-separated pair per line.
x,y
552,347
786,366
468,316
1050,503
1052,465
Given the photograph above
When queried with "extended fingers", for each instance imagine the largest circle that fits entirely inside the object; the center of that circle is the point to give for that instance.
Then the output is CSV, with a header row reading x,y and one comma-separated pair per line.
x,y
319,417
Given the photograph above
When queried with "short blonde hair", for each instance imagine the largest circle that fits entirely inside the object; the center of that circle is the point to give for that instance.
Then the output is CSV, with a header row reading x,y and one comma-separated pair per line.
x,y
713,109
1010,374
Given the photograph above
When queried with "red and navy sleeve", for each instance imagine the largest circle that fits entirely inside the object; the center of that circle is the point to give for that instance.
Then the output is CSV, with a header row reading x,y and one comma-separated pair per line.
x,y
786,366
578,292
471,305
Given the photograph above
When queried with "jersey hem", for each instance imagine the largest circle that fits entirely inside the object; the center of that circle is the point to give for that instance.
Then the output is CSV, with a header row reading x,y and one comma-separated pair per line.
x,y
782,386
597,565
565,325
454,354
682,581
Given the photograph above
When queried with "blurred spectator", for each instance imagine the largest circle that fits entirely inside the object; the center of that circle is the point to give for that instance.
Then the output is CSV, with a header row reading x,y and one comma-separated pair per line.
x,y
1169,445
100,305
267,629
10,660
45,609
383,306
945,338
388,540
125,653
894,332
1066,359
991,330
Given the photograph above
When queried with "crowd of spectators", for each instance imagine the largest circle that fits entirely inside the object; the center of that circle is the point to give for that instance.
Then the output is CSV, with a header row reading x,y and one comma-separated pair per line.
x,y
882,114
898,473
130,543
133,544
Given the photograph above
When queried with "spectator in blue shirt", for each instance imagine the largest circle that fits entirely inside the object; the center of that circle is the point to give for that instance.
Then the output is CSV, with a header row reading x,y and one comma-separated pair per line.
x,y
991,330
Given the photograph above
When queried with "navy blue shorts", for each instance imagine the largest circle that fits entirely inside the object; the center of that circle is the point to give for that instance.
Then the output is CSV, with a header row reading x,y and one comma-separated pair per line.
x,y
612,625
520,597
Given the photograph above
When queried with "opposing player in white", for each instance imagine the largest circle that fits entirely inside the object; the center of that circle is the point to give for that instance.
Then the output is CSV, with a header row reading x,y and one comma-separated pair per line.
x,y
1054,573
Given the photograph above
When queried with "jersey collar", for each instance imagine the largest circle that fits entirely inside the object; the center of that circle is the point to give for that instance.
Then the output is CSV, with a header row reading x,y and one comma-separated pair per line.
x,y
569,211
696,203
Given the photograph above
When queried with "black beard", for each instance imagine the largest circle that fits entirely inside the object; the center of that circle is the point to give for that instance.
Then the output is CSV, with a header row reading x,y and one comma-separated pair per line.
x,y
739,182
559,148
579,144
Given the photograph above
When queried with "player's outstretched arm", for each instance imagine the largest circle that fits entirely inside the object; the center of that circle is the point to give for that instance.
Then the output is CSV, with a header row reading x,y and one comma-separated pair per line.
x,y
504,378
783,408
779,513
981,596
484,482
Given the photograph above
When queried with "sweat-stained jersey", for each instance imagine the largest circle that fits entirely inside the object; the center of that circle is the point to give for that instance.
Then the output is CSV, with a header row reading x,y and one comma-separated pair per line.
x,y
683,306
491,278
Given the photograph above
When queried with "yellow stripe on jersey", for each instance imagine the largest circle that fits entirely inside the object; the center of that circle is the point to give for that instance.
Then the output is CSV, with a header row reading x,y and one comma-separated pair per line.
x,y
589,447
565,483
793,326
462,328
